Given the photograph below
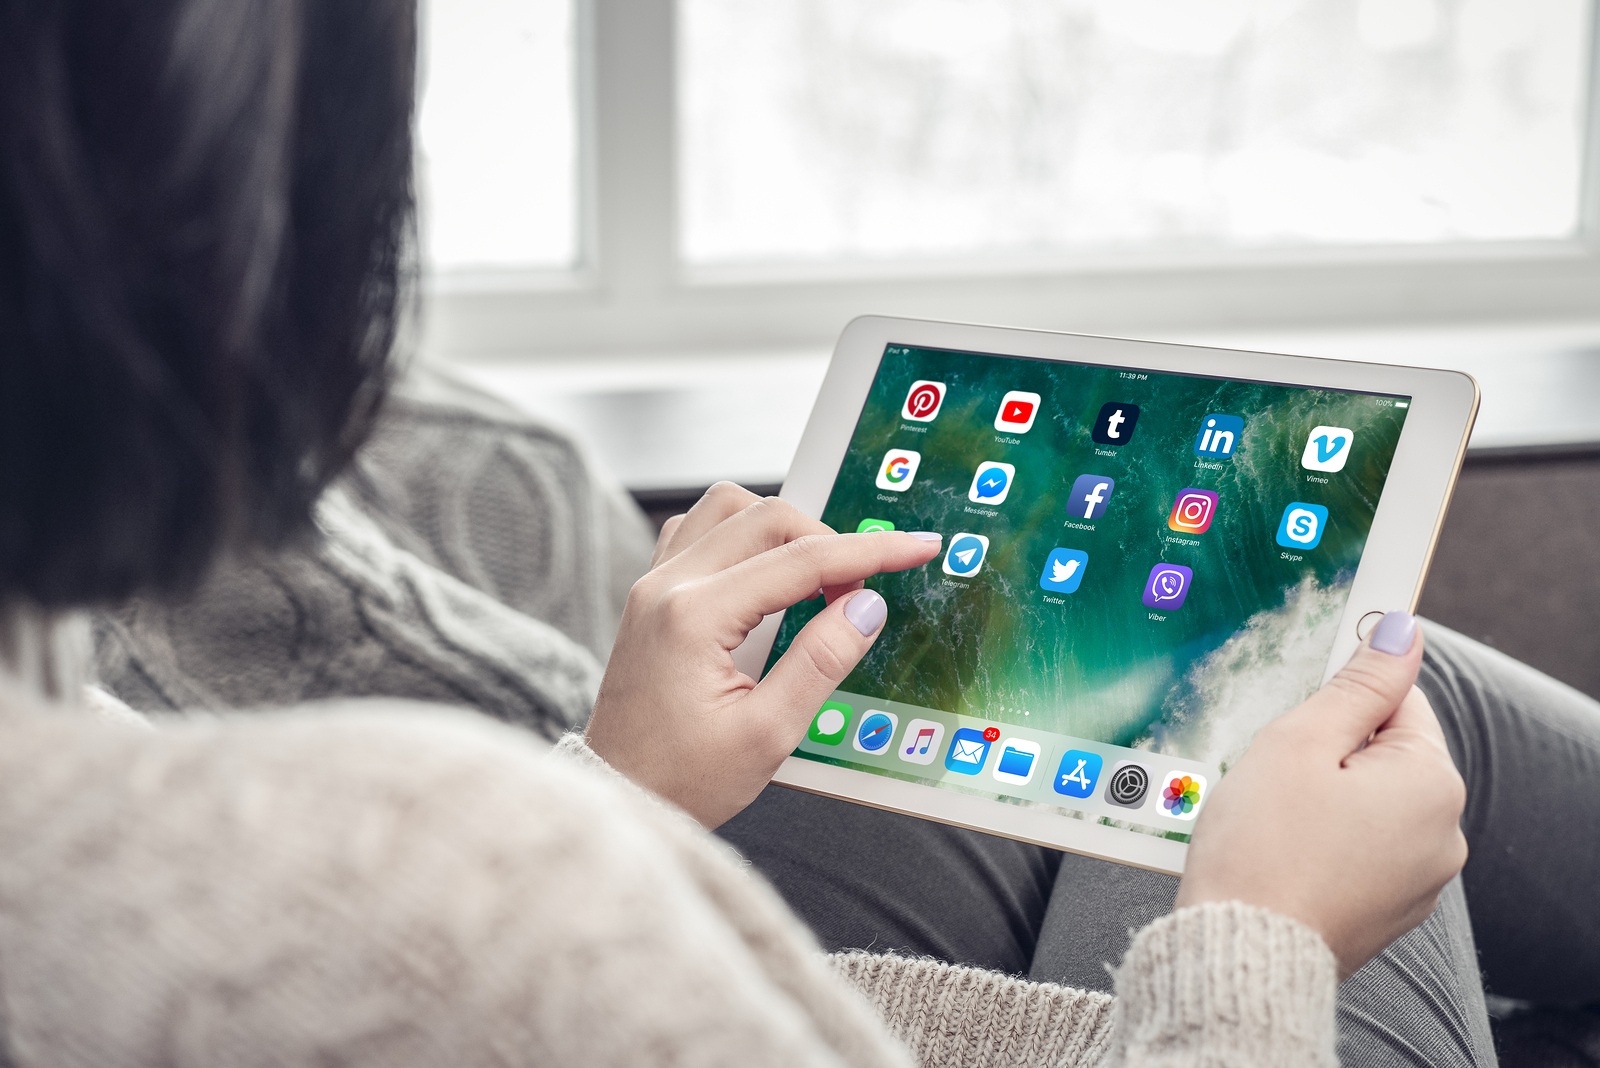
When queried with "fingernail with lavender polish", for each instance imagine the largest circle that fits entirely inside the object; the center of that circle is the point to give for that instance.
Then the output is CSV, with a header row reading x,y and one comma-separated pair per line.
x,y
1394,633
926,535
867,610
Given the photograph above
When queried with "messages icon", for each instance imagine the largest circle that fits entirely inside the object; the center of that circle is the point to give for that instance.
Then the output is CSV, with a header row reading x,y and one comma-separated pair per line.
x,y
1168,586
828,726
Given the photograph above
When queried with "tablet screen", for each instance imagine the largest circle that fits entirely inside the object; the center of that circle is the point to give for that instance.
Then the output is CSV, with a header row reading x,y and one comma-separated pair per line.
x,y
1139,570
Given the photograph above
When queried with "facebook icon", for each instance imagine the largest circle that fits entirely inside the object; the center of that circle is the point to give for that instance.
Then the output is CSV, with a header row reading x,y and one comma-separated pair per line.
x,y
1090,496
1219,436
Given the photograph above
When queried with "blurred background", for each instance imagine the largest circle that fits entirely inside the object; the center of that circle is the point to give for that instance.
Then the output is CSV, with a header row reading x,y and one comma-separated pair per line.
x,y
1038,132
647,220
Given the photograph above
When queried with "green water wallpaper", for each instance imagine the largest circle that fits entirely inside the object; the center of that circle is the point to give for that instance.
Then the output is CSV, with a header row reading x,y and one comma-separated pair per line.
x,y
1195,681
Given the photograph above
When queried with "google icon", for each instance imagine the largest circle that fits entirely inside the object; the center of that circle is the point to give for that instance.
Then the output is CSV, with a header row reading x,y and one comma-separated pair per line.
x,y
898,470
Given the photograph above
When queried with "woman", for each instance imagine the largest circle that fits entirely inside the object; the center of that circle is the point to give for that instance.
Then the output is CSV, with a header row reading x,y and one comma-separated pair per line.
x,y
203,212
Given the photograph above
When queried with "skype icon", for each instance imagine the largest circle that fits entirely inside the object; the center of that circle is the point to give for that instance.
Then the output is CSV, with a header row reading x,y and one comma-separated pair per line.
x,y
1302,525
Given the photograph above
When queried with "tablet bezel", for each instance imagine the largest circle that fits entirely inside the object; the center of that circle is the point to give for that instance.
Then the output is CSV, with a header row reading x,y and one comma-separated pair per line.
x,y
1393,566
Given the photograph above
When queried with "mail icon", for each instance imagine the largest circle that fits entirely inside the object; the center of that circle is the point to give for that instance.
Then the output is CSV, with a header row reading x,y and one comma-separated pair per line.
x,y
969,750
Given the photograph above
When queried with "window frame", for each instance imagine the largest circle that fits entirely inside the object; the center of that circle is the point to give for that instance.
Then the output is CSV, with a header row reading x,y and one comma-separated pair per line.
x,y
629,294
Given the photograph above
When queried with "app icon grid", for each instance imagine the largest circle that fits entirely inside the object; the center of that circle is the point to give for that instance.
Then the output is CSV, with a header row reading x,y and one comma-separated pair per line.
x,y
1218,437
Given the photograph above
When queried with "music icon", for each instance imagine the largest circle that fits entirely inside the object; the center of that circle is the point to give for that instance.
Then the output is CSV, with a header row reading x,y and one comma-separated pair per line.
x,y
920,743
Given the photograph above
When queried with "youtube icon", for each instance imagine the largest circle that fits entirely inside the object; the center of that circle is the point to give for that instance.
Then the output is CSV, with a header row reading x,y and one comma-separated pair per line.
x,y
1017,411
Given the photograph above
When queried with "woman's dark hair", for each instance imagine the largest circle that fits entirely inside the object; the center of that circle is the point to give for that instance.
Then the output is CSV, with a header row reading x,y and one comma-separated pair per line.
x,y
205,222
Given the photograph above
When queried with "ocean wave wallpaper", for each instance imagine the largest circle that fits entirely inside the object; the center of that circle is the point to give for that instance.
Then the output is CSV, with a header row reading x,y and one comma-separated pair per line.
x,y
1062,626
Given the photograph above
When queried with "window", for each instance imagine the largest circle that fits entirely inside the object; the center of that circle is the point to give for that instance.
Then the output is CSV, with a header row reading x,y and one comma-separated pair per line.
x,y
648,175
832,129
497,170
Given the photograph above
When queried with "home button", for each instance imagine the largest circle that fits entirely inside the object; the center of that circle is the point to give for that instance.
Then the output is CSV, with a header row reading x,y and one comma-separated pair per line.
x,y
1365,624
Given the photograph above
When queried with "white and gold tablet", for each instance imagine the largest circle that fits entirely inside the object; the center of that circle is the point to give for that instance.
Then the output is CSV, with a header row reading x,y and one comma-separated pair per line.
x,y
1150,550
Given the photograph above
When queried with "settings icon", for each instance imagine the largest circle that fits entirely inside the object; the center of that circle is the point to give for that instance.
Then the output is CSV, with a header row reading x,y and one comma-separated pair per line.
x,y
1128,785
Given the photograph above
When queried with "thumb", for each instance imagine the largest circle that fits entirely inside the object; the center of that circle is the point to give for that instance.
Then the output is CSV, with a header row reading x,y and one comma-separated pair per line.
x,y
1414,718
1371,687
826,650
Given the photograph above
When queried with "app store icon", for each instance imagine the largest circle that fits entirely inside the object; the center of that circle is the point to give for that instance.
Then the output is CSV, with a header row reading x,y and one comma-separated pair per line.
x,y
1078,773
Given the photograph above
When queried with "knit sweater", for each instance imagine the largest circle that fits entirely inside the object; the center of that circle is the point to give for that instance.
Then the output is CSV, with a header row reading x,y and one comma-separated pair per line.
x,y
390,883
470,556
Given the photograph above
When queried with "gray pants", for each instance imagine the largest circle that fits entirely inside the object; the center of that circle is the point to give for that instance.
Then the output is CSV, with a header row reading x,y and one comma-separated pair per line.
x,y
1521,920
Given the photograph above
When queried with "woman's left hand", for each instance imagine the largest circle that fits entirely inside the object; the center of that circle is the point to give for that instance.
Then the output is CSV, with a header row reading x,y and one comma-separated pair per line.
x,y
1365,870
674,714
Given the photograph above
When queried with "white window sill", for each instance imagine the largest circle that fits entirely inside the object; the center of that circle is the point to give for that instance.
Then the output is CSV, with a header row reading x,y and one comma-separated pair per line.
x,y
663,423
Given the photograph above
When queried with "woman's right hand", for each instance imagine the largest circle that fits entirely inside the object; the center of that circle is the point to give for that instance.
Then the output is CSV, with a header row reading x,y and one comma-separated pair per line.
x,y
1345,812
675,714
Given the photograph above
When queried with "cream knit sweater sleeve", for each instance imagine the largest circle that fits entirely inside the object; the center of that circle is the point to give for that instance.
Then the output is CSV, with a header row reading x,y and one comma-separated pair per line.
x,y
387,885
1218,985
1225,985
380,886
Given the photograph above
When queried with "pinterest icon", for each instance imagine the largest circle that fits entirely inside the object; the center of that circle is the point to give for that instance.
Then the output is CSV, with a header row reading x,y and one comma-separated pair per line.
x,y
922,403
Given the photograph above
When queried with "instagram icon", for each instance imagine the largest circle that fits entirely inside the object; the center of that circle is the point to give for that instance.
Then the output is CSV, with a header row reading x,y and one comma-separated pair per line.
x,y
1193,511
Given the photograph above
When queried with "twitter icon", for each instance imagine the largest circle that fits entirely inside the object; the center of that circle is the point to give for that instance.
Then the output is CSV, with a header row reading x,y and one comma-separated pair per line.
x,y
1064,570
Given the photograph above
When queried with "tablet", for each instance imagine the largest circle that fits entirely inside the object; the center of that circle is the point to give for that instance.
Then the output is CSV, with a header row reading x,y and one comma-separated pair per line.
x,y
1150,551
